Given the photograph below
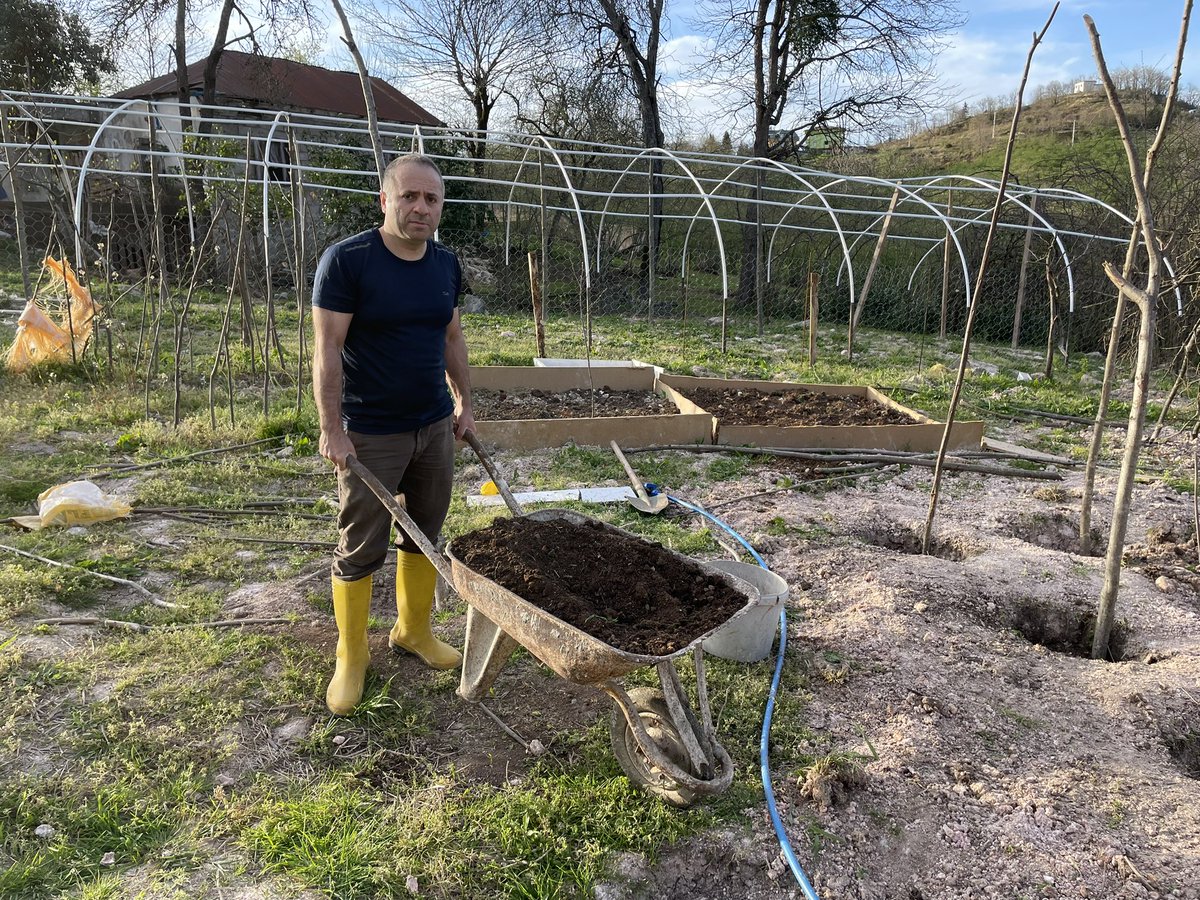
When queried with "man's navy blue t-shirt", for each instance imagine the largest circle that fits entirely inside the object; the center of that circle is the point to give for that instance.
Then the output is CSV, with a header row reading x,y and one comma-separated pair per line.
x,y
394,357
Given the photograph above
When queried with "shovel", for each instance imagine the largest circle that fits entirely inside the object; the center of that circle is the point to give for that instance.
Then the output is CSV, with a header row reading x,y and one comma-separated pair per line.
x,y
643,502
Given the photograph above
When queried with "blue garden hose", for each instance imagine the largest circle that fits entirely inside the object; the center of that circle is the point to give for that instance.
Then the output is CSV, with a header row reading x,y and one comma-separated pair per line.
x,y
784,843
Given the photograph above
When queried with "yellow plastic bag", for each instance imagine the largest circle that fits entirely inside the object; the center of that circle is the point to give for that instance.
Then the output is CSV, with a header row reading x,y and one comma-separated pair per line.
x,y
74,503
39,337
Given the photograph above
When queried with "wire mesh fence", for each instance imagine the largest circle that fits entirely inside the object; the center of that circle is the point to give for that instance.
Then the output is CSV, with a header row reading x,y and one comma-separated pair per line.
x,y
150,202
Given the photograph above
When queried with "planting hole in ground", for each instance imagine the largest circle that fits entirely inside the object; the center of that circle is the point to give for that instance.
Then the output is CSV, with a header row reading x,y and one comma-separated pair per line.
x,y
904,539
1182,740
1057,530
1063,629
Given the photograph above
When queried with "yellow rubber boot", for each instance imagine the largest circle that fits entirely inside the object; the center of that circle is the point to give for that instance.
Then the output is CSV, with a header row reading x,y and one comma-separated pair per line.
x,y
415,581
351,606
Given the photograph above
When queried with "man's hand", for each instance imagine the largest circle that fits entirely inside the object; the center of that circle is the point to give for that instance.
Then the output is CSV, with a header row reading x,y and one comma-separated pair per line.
x,y
335,446
464,421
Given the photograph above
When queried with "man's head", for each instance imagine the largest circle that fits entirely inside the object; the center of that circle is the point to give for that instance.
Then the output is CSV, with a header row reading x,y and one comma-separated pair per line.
x,y
411,198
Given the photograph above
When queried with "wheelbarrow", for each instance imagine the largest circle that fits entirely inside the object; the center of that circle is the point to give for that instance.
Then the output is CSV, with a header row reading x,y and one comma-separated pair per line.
x,y
659,741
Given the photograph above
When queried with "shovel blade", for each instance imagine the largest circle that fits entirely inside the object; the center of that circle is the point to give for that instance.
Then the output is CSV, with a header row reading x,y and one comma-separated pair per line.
x,y
651,505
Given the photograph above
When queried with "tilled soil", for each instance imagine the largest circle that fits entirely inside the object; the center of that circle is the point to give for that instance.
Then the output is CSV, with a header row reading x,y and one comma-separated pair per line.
x,y
633,594
494,405
797,407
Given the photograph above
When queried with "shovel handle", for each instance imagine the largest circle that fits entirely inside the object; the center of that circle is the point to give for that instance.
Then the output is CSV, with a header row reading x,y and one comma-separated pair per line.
x,y
497,479
633,479
403,519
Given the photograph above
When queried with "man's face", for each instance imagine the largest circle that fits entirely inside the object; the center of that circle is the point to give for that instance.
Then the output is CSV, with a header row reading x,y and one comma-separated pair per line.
x,y
412,203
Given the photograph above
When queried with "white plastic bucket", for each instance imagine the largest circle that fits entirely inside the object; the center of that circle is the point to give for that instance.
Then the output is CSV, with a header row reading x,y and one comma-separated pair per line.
x,y
749,636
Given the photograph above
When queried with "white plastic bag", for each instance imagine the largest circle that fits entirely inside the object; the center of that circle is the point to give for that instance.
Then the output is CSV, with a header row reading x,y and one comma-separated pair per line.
x,y
74,503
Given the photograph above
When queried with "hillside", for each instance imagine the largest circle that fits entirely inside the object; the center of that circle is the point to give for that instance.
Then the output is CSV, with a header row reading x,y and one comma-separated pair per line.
x,y
1069,140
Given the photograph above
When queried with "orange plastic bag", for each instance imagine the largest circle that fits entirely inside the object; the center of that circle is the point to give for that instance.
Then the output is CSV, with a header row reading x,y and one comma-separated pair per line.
x,y
39,337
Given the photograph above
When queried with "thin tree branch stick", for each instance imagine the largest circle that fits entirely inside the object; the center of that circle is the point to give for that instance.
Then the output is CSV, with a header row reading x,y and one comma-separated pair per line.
x,y
152,597
890,459
1196,498
507,730
173,459
138,626
977,298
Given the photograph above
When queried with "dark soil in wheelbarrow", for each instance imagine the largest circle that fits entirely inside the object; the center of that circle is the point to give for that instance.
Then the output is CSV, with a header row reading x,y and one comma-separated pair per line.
x,y
633,594
735,406
495,405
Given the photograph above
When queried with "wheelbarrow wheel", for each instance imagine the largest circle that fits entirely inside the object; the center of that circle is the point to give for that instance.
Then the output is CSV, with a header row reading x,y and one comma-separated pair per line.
x,y
651,706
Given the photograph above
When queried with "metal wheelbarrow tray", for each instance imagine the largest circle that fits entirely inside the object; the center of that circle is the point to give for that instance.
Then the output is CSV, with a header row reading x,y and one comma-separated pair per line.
x,y
656,736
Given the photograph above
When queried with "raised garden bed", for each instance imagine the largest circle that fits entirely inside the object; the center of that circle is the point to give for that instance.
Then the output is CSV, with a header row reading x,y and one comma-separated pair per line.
x,y
530,408
633,594
834,416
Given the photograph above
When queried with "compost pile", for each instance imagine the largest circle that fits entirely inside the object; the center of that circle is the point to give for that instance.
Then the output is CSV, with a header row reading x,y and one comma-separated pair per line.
x,y
796,407
575,403
635,595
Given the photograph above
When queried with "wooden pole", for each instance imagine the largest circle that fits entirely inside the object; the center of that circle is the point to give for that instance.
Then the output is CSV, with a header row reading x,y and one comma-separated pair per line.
x,y
946,268
879,244
814,280
535,290
18,202
368,92
977,295
1016,333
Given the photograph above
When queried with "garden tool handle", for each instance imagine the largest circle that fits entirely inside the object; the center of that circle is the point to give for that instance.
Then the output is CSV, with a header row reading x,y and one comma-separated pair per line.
x,y
403,519
497,479
633,479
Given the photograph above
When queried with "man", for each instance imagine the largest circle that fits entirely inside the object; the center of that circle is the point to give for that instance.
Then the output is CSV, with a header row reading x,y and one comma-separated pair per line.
x,y
388,339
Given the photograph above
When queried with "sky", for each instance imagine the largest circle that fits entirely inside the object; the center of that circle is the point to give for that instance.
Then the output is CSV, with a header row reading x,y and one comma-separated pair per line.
x,y
985,57
982,58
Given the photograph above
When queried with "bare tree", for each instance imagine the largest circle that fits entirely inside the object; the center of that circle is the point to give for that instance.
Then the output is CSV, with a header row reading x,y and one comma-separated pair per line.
x,y
825,62
1146,301
478,47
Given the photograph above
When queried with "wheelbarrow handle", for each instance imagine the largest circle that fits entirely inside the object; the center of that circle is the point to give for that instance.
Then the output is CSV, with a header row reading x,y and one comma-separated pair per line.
x,y
403,519
497,479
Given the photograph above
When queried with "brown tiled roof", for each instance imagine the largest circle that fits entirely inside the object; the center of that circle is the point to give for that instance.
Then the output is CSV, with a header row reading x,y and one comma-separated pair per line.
x,y
282,84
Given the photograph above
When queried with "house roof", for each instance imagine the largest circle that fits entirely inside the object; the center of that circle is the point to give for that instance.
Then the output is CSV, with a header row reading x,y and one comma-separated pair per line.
x,y
284,84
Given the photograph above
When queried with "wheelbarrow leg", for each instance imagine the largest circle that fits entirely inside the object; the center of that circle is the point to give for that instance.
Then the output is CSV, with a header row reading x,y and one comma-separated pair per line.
x,y
486,649
694,740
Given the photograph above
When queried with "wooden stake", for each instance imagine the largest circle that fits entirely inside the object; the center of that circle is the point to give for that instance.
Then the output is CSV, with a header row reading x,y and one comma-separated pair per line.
x,y
814,279
535,291
946,268
879,245
1016,333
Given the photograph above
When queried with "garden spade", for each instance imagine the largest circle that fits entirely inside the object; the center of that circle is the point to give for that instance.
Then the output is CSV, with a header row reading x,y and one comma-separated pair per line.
x,y
643,502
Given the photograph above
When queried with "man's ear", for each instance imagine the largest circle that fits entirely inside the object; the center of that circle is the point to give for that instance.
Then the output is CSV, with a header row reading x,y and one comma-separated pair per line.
x,y
383,201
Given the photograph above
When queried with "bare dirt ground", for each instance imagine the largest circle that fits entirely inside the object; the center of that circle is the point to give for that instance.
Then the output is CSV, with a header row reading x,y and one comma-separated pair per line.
x,y
997,760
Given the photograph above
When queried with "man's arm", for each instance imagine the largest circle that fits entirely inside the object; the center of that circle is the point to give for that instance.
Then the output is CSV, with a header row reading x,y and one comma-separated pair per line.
x,y
329,329
459,375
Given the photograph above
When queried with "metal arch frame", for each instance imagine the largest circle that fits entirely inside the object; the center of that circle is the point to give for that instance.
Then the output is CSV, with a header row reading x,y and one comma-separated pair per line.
x,y
77,213
913,195
1015,198
1132,223
704,198
266,189
571,191
63,173
93,146
812,189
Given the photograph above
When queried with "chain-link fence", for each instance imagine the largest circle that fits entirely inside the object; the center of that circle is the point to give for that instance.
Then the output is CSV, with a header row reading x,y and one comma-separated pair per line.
x,y
245,200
